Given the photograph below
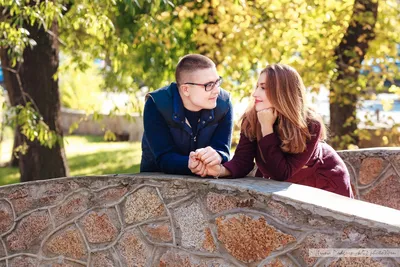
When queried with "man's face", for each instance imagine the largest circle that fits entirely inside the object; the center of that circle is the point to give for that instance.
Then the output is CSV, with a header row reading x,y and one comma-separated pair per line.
x,y
197,98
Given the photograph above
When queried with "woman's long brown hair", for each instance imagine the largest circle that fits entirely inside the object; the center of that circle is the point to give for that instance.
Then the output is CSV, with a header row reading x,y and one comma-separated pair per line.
x,y
286,92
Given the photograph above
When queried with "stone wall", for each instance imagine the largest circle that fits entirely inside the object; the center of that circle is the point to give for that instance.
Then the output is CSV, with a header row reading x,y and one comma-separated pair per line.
x,y
375,174
161,220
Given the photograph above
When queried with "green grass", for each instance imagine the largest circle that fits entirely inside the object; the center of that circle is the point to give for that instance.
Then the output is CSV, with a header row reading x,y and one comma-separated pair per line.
x,y
86,155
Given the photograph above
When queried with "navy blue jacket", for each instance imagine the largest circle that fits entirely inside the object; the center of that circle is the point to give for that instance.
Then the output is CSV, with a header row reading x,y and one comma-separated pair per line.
x,y
168,139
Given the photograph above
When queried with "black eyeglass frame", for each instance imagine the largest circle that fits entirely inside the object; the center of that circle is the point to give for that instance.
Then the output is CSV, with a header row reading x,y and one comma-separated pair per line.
x,y
210,84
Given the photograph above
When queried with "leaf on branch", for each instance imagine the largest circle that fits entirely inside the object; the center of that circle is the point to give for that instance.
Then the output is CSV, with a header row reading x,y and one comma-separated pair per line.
x,y
73,127
110,136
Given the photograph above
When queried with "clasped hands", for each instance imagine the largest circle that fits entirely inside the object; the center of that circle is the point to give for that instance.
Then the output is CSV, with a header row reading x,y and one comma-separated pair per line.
x,y
205,162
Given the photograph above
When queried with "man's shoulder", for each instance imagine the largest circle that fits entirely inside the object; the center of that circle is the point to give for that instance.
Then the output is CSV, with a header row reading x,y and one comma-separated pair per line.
x,y
162,100
162,97
224,95
224,99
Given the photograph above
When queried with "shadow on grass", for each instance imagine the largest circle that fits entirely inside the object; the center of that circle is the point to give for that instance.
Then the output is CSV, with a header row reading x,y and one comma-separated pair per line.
x,y
103,162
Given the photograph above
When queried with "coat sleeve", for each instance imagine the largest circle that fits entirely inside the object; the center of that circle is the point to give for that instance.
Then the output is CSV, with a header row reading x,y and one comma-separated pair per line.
x,y
280,165
162,143
222,137
243,160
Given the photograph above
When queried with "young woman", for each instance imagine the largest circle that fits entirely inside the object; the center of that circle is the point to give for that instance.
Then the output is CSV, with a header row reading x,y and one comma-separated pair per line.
x,y
284,136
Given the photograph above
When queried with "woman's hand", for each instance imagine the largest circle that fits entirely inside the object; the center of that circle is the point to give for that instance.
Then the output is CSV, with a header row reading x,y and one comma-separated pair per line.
x,y
267,118
214,170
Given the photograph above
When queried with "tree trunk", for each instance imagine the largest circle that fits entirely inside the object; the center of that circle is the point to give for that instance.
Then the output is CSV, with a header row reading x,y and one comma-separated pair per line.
x,y
38,85
349,55
14,162
14,94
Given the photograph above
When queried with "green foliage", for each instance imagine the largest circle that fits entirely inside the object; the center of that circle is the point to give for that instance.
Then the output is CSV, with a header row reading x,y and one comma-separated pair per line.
x,y
141,41
384,49
109,136
14,15
80,90
241,38
86,32
31,124
17,38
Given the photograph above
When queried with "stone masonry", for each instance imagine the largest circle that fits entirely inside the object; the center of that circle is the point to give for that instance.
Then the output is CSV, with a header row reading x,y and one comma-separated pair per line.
x,y
375,175
163,220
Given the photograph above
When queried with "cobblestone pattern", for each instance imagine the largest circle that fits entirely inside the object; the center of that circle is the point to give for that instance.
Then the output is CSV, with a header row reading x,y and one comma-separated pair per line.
x,y
137,221
375,175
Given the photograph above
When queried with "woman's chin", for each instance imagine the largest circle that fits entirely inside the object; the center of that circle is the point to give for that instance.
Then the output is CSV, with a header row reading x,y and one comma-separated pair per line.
x,y
258,108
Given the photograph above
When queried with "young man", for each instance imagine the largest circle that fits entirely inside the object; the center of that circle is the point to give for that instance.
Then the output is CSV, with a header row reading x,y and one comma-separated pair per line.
x,y
192,113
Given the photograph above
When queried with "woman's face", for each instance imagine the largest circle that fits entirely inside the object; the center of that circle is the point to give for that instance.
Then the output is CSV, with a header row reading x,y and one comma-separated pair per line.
x,y
261,100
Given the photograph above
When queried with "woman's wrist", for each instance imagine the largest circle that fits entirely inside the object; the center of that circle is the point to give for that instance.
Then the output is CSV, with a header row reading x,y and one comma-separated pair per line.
x,y
223,172
219,172
266,130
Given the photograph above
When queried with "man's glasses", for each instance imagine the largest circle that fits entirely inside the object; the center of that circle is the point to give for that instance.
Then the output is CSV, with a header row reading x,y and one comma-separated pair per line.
x,y
209,86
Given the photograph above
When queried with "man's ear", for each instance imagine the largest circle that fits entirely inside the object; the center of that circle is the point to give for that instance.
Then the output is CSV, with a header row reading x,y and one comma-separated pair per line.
x,y
185,90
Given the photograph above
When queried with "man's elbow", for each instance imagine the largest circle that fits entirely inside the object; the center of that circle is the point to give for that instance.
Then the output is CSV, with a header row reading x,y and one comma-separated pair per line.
x,y
164,166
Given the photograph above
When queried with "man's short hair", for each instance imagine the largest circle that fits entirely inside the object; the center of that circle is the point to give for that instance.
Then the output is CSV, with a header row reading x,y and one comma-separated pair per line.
x,y
190,63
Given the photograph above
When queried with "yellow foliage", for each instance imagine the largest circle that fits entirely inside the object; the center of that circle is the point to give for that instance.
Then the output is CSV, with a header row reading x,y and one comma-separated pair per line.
x,y
385,140
352,147
387,104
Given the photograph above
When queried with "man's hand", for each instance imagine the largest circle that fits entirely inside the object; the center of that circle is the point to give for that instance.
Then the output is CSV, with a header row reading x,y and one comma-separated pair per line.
x,y
208,156
196,165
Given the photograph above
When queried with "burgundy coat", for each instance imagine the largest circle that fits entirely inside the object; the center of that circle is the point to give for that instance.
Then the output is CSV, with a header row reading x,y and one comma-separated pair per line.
x,y
318,166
